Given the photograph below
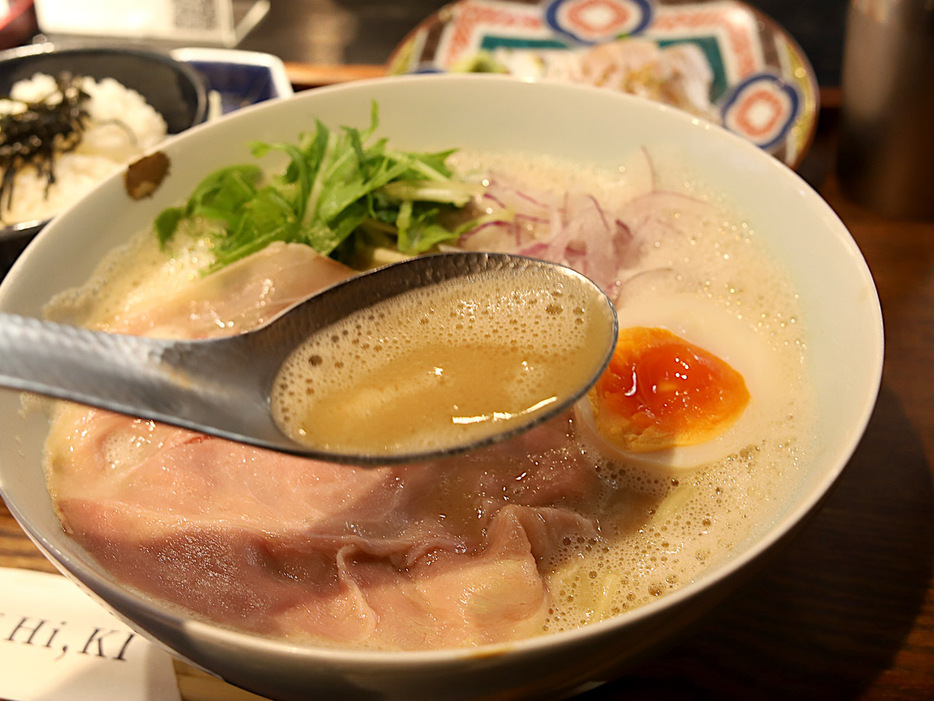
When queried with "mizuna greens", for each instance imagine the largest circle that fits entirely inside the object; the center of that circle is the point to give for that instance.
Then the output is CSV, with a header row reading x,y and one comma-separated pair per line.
x,y
344,193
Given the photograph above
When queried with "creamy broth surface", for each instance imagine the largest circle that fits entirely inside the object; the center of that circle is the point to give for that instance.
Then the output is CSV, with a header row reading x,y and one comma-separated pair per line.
x,y
443,366
630,531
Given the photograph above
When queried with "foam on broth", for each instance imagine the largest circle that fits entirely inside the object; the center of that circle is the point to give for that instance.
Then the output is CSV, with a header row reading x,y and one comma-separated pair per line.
x,y
661,530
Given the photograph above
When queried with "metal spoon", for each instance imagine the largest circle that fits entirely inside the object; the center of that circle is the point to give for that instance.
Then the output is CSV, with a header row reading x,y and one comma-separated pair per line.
x,y
222,386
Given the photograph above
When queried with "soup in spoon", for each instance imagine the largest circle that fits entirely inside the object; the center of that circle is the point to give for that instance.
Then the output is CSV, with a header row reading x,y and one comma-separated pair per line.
x,y
446,365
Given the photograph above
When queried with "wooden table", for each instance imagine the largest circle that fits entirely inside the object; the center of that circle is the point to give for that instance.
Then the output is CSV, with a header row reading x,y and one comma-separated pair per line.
x,y
846,611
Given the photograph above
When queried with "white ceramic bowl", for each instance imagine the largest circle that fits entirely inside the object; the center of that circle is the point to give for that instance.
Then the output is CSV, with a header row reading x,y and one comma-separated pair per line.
x,y
489,113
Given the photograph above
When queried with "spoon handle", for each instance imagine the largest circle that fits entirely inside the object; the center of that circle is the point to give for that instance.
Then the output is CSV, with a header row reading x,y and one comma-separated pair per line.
x,y
183,383
68,362
127,374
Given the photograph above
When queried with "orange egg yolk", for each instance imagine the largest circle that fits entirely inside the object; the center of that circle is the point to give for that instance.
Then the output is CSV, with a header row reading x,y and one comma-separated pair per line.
x,y
660,391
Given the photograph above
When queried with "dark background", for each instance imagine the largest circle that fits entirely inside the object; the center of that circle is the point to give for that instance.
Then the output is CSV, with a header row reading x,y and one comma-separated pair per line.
x,y
366,31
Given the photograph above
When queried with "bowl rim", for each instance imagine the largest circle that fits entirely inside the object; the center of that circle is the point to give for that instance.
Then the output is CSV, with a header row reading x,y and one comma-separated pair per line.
x,y
19,53
779,530
22,230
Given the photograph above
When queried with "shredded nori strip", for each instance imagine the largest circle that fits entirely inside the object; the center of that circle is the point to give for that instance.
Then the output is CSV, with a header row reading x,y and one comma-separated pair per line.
x,y
35,136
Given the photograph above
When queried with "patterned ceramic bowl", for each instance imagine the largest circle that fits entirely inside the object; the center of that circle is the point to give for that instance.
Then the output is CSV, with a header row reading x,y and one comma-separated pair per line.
x,y
723,61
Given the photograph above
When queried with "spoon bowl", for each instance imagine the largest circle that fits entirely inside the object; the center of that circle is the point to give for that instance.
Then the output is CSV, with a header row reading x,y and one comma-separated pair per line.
x,y
222,386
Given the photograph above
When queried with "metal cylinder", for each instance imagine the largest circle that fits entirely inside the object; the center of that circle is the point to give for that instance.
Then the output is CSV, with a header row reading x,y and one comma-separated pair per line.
x,y
886,149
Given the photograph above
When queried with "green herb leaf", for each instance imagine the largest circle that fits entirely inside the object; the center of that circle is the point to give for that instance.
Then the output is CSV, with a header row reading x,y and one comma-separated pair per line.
x,y
337,187
167,222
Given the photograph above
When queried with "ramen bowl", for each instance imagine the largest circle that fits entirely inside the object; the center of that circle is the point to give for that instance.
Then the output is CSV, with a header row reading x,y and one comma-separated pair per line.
x,y
493,114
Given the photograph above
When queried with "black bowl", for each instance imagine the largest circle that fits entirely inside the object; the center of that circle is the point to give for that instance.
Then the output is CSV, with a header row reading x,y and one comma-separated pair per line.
x,y
173,88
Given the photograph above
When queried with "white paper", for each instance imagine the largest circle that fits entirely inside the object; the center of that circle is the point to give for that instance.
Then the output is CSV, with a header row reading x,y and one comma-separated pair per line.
x,y
182,19
57,644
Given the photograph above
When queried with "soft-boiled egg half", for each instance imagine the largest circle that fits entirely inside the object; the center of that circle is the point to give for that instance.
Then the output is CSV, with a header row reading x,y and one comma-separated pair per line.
x,y
689,383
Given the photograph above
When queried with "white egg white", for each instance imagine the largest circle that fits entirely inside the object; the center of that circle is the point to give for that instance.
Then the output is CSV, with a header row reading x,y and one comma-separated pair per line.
x,y
702,322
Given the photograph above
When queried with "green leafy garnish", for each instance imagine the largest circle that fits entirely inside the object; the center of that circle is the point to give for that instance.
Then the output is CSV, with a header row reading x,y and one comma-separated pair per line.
x,y
342,191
